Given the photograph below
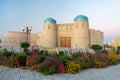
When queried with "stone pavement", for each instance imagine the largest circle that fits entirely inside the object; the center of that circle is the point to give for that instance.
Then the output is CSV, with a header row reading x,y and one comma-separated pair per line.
x,y
109,73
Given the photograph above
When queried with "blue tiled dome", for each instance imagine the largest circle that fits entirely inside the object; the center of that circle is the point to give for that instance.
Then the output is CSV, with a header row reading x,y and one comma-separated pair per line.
x,y
81,17
51,20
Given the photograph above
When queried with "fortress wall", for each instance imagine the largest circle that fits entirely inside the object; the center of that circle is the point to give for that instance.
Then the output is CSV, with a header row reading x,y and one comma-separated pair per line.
x,y
96,37
13,39
33,38
39,39
16,38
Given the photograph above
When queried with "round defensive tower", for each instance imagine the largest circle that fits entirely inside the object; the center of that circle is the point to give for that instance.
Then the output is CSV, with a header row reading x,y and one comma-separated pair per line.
x,y
81,36
50,33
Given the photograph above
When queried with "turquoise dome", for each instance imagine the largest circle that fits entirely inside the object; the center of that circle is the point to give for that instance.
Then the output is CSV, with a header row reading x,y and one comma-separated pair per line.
x,y
81,17
51,20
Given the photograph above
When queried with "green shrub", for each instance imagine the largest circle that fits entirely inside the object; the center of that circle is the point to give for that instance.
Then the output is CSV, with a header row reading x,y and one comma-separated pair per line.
x,y
61,53
6,53
25,46
96,47
22,58
118,50
65,58
76,56
43,55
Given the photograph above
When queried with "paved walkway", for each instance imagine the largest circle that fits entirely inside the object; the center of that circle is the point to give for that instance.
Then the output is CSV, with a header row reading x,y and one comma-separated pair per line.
x,y
109,73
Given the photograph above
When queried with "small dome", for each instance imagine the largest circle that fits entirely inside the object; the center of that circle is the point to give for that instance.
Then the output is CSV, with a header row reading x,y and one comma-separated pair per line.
x,y
81,17
51,20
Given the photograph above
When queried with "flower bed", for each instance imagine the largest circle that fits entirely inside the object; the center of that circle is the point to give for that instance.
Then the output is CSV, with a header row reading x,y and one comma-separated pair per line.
x,y
61,62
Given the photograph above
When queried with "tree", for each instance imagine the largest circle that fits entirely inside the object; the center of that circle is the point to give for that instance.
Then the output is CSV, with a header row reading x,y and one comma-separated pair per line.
x,y
96,47
25,46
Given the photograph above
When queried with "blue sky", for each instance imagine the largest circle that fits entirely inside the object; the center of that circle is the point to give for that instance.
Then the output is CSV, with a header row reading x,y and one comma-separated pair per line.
x,y
103,14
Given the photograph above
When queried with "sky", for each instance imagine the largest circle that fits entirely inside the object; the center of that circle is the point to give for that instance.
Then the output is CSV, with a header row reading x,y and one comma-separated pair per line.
x,y
103,15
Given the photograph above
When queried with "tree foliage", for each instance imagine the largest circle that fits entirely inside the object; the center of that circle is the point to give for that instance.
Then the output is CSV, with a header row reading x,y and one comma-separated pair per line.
x,y
25,46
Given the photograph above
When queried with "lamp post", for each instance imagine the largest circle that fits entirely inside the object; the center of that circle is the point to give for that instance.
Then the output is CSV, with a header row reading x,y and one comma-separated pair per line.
x,y
27,30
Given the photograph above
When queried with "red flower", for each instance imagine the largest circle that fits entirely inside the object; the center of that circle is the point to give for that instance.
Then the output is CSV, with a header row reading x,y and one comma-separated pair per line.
x,y
62,68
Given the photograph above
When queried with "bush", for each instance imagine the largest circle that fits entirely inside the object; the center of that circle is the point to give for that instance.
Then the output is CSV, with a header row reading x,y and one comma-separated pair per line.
x,y
72,67
64,58
1,58
96,47
25,46
99,60
61,53
113,57
118,58
43,55
99,64
85,61
50,65
32,59
76,56
118,50
22,58
10,62
6,53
